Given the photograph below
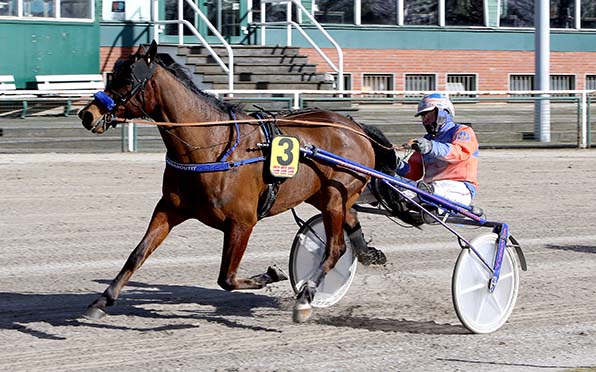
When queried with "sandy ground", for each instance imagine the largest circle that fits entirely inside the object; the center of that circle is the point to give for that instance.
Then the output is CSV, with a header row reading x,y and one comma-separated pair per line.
x,y
69,221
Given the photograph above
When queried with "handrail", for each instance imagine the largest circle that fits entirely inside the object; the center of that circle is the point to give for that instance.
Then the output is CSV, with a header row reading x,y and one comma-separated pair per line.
x,y
229,68
583,98
583,140
340,57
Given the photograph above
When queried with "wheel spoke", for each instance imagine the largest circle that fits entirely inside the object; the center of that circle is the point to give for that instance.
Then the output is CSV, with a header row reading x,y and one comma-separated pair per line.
x,y
473,288
495,301
506,276
480,308
481,270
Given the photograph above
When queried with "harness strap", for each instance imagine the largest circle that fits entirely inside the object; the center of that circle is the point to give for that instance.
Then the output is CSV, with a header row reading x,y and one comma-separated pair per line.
x,y
212,167
231,150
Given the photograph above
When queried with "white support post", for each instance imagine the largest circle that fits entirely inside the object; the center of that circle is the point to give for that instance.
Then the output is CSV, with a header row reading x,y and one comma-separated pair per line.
x,y
263,20
583,130
180,25
578,15
289,19
155,17
542,66
131,137
357,12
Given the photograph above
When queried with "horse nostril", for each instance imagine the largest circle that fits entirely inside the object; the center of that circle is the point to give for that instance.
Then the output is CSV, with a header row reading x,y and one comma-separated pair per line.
x,y
87,118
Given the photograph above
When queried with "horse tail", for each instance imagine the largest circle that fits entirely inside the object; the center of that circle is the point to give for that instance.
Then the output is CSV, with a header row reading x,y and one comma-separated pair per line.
x,y
385,158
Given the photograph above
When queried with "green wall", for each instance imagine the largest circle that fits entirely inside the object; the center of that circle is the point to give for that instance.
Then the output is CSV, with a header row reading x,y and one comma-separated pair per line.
x,y
38,48
119,34
437,38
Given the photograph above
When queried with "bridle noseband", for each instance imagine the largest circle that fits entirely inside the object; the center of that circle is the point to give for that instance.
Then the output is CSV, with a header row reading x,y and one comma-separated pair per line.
x,y
140,75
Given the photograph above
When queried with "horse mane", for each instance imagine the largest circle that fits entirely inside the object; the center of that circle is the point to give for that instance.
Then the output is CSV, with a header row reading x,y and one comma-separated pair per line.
x,y
183,75
385,157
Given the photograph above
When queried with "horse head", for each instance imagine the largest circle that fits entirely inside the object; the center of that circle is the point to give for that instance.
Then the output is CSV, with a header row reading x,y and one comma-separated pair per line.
x,y
124,96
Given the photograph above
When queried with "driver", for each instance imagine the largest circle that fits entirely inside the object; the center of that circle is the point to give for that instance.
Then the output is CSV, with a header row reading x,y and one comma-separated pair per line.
x,y
445,160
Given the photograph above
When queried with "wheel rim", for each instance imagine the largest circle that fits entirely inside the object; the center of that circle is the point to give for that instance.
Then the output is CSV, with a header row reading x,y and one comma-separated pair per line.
x,y
478,309
306,256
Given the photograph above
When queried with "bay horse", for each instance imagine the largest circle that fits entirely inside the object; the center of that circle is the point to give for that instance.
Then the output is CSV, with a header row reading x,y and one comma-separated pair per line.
x,y
214,176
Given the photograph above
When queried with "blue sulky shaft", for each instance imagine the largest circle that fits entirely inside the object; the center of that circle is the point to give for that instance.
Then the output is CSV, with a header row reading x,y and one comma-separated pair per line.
x,y
500,228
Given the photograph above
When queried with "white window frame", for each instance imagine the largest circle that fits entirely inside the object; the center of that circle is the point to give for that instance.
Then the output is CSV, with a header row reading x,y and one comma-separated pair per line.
x,y
56,18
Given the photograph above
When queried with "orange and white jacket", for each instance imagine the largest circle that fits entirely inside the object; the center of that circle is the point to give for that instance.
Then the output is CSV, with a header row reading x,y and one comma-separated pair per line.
x,y
454,156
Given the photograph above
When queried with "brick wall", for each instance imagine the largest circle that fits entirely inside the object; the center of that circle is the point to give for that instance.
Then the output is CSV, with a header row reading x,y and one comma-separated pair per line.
x,y
109,55
492,67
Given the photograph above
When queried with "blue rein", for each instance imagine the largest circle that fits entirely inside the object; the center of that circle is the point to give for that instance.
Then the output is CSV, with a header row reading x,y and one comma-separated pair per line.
x,y
222,164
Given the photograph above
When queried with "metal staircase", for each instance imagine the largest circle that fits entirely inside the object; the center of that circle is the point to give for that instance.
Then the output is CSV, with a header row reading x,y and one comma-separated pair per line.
x,y
255,68
249,67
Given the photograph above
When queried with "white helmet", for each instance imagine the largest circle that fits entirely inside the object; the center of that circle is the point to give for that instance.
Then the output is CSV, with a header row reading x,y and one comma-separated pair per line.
x,y
435,100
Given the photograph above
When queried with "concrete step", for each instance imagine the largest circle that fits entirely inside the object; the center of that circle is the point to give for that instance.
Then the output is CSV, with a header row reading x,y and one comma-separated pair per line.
x,y
258,59
241,50
255,68
279,77
265,85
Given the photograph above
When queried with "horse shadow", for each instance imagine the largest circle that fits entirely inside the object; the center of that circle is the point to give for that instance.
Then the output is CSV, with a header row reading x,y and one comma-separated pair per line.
x,y
573,248
393,325
19,311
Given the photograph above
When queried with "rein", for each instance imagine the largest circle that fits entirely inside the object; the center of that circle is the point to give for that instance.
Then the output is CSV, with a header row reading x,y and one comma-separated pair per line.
x,y
278,121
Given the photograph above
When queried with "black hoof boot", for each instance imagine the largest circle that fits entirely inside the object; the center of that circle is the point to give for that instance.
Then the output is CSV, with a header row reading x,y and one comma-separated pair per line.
x,y
372,256
273,274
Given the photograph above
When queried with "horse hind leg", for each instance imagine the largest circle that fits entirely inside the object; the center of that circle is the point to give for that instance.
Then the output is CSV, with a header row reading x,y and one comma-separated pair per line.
x,y
162,222
333,218
366,255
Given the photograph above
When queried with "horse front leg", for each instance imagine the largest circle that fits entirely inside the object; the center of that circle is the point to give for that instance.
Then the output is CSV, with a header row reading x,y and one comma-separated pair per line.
x,y
236,237
162,222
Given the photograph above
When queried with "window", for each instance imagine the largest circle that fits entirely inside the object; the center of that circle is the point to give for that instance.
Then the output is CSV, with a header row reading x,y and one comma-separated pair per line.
x,y
39,8
377,82
557,82
590,82
521,82
464,12
334,11
420,82
375,12
188,14
421,12
462,82
8,8
51,9
75,9
562,13
562,82
274,12
588,17
516,13
347,80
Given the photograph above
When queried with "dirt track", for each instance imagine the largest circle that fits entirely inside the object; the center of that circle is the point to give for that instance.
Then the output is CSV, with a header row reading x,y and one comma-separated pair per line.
x,y
69,221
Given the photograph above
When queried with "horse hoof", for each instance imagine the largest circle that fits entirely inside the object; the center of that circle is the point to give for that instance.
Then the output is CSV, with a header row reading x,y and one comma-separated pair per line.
x,y
302,312
372,257
276,274
93,313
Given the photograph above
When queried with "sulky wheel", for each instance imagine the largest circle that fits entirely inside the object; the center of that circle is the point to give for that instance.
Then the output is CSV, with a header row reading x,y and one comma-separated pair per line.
x,y
477,308
306,256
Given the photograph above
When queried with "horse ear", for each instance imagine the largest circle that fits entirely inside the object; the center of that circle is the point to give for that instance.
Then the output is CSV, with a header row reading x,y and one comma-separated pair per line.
x,y
151,53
